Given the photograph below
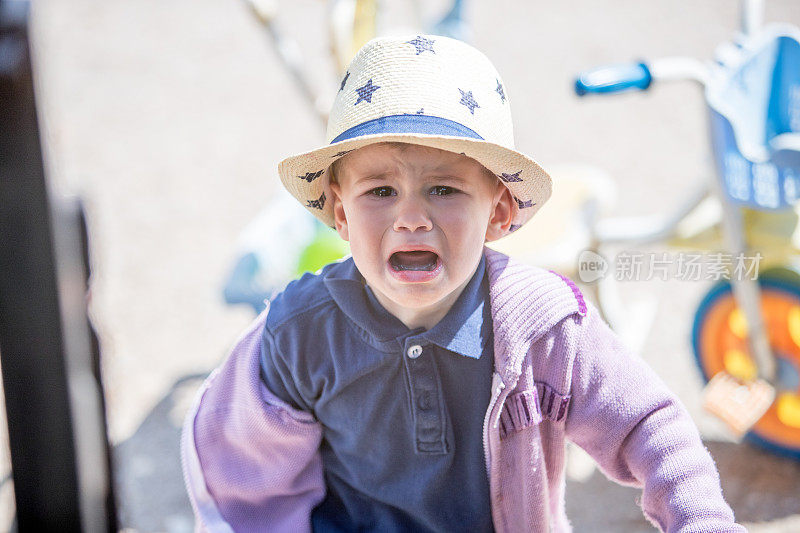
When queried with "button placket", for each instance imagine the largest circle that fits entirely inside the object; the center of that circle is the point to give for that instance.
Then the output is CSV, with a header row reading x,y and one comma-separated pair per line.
x,y
429,425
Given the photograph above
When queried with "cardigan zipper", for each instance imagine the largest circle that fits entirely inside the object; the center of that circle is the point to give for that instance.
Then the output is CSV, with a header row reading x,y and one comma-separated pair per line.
x,y
497,388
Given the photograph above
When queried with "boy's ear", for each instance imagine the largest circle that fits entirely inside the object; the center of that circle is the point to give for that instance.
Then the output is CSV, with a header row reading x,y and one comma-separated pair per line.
x,y
502,214
339,217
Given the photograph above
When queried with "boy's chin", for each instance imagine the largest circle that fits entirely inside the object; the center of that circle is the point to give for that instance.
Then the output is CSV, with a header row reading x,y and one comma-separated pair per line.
x,y
418,298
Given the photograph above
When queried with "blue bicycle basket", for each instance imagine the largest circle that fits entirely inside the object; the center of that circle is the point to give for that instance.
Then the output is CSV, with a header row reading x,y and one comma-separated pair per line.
x,y
754,101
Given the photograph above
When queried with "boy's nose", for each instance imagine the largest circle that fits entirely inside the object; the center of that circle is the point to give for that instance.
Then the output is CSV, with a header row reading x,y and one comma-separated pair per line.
x,y
411,216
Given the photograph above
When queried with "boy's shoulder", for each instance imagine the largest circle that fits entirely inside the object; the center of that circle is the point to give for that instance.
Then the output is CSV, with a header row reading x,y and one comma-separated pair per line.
x,y
519,288
308,294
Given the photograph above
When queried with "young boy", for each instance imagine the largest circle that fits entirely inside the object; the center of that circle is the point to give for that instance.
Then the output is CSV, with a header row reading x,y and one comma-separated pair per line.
x,y
429,383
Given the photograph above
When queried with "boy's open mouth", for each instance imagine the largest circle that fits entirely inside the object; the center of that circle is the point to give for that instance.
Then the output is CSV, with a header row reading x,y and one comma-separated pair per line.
x,y
417,261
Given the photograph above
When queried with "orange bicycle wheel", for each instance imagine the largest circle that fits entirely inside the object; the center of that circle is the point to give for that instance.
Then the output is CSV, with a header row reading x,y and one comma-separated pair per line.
x,y
719,338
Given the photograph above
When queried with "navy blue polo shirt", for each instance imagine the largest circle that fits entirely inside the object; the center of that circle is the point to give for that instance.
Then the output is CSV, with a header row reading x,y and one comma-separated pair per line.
x,y
401,410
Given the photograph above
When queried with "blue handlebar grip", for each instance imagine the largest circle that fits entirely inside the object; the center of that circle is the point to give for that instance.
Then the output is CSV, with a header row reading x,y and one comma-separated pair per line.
x,y
614,78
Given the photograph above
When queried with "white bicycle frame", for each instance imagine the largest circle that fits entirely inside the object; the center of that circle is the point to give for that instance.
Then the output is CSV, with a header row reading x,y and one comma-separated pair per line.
x,y
657,228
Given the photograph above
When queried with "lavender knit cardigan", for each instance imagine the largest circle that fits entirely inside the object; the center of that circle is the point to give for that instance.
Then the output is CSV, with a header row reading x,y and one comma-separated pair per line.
x,y
251,462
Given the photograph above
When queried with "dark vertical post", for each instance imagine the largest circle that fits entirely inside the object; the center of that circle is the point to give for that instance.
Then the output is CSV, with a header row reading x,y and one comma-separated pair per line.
x,y
40,362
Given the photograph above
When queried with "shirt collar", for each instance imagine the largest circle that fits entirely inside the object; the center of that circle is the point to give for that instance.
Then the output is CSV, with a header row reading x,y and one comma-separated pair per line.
x,y
465,329
467,326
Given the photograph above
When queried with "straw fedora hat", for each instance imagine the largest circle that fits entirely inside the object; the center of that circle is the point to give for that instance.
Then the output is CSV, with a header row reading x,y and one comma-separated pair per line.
x,y
427,90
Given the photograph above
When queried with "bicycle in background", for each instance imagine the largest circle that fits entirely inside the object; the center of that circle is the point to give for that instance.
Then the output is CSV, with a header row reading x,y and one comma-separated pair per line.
x,y
746,331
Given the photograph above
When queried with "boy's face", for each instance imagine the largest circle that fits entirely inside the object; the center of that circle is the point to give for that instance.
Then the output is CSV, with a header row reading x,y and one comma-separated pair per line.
x,y
416,219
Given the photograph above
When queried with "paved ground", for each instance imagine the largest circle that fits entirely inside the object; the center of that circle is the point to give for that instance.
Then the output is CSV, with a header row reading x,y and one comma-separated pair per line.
x,y
169,117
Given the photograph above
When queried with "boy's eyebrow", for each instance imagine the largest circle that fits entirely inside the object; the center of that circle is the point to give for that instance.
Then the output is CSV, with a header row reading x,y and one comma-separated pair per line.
x,y
437,173
373,177
448,177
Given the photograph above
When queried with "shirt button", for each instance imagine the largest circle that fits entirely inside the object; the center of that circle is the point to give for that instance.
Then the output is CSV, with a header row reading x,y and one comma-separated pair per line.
x,y
414,351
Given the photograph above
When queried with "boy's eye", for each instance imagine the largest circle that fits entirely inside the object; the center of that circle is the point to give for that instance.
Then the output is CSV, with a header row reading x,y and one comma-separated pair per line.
x,y
442,190
382,191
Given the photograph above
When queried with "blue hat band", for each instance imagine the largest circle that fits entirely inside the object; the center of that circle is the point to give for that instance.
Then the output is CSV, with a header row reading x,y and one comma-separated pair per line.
x,y
422,124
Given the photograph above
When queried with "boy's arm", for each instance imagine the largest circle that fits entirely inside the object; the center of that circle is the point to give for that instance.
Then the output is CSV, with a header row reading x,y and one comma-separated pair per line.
x,y
625,417
251,462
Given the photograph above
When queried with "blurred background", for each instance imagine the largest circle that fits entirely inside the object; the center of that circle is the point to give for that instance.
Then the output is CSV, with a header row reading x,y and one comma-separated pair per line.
x,y
169,118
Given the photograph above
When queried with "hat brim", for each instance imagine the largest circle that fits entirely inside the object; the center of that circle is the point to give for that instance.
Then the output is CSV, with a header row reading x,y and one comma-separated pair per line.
x,y
307,176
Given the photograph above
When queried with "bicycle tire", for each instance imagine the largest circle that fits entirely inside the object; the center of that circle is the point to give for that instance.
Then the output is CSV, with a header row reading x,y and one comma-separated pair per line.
x,y
719,343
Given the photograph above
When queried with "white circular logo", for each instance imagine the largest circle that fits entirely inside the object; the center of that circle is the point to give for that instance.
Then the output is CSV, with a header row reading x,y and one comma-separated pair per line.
x,y
591,266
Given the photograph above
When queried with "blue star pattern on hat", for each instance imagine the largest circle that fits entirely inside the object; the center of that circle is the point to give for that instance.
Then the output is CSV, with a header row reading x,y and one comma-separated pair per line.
x,y
523,204
420,98
317,204
365,92
468,100
311,176
511,177
500,91
422,44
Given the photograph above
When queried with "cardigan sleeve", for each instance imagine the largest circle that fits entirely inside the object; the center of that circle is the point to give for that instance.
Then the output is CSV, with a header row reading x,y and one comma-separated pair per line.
x,y
251,461
640,434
